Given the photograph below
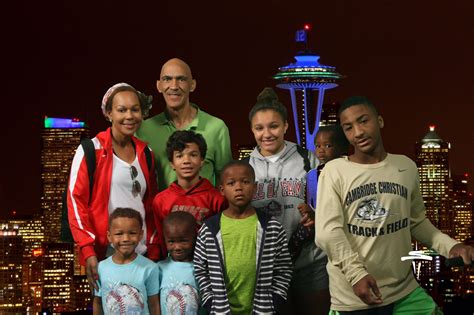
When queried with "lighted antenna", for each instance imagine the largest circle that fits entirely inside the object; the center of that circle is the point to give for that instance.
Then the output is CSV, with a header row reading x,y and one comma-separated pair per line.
x,y
302,35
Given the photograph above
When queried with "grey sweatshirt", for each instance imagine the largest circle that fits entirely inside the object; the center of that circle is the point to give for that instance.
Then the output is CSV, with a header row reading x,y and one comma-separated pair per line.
x,y
281,187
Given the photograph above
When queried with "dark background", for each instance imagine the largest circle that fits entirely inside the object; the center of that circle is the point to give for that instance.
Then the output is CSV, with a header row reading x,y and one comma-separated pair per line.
x,y
414,59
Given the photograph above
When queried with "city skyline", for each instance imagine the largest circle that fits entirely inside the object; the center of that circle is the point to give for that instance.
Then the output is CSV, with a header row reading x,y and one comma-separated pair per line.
x,y
48,275
413,60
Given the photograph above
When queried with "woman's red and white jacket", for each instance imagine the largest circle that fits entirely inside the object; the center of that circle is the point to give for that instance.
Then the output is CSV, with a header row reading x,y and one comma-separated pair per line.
x,y
88,220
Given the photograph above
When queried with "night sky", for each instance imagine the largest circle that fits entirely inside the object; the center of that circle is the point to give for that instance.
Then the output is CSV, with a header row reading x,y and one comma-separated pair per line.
x,y
414,59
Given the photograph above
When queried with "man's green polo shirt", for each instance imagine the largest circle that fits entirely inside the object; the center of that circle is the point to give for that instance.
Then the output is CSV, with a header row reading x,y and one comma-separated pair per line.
x,y
157,129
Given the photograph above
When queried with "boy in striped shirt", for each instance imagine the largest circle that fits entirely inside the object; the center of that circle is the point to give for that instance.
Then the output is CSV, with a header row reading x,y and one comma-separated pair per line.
x,y
241,257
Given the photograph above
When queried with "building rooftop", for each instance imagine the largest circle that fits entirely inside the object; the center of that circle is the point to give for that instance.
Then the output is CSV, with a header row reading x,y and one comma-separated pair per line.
x,y
432,136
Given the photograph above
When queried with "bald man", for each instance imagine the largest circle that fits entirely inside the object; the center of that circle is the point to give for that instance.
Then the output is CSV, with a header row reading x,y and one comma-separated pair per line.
x,y
176,83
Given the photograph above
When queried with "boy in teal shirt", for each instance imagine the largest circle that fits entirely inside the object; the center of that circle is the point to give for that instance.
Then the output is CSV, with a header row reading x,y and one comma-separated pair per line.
x,y
178,289
128,282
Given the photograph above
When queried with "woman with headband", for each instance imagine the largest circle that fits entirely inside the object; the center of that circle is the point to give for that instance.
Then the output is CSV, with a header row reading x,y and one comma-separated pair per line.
x,y
124,177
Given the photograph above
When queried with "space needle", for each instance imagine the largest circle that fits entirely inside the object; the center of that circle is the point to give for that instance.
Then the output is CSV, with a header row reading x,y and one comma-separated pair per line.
x,y
304,78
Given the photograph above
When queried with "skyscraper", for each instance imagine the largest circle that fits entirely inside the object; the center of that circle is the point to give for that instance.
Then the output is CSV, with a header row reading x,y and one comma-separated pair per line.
x,y
462,202
34,275
11,269
60,138
81,297
58,272
329,114
31,232
432,159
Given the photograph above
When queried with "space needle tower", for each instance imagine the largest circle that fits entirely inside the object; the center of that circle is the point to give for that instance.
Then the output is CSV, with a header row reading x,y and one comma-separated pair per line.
x,y
307,81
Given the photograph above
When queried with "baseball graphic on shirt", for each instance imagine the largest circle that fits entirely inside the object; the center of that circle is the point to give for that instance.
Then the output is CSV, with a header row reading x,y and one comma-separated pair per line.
x,y
124,299
182,299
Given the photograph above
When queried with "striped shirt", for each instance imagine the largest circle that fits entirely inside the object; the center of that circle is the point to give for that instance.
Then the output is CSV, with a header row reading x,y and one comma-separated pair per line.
x,y
274,267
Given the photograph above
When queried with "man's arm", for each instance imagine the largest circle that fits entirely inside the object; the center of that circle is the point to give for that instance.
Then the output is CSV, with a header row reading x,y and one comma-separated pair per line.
x,y
154,304
330,234
153,284
97,306
331,238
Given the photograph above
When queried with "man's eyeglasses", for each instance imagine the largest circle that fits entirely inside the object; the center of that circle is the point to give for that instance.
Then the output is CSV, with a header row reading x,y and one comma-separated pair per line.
x,y
136,187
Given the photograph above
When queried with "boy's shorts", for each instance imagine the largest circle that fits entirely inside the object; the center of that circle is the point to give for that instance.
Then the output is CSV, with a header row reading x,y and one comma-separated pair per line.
x,y
417,302
313,277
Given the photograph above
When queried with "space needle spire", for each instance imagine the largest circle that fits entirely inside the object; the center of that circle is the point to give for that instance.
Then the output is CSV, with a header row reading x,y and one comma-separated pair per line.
x,y
306,78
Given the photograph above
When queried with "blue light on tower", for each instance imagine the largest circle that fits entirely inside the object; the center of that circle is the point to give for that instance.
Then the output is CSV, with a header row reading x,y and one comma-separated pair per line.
x,y
306,75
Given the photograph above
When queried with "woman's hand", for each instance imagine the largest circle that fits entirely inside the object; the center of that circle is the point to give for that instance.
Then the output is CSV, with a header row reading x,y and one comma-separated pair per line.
x,y
91,271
